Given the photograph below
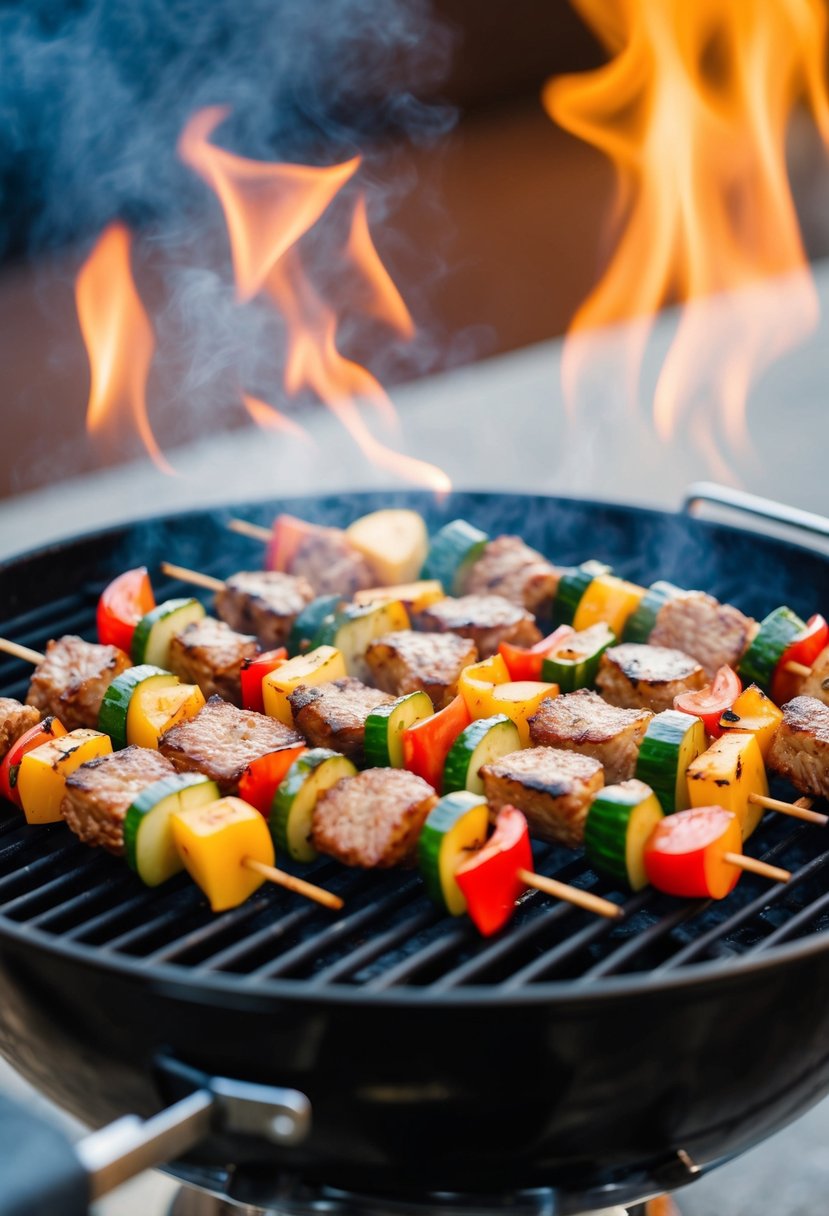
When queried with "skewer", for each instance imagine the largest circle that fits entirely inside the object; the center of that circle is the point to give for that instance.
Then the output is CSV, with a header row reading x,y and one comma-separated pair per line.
x,y
21,652
797,810
245,528
291,883
572,895
797,669
742,862
192,576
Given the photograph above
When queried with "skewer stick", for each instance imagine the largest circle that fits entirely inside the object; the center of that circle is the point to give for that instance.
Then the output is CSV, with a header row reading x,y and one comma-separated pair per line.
x,y
299,885
192,576
21,652
742,862
572,895
245,528
797,669
795,809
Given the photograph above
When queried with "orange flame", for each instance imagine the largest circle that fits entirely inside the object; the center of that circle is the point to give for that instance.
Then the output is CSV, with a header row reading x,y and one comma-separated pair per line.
x,y
119,342
693,111
271,419
384,300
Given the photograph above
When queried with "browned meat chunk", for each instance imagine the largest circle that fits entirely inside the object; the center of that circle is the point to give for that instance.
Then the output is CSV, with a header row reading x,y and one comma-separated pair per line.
x,y
584,722
334,714
486,619
100,792
646,677
373,819
222,740
800,749
209,653
406,661
512,569
714,634
72,679
553,788
331,564
15,720
263,602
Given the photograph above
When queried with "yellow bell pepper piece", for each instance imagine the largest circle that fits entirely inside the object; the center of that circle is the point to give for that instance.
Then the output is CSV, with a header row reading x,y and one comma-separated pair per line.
x,y
414,596
152,711
213,842
41,780
756,713
519,700
475,684
727,775
607,600
316,667
394,542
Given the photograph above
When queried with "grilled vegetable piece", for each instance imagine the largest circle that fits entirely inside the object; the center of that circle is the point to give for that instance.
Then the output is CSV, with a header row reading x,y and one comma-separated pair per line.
x,y
404,661
316,667
805,650
482,742
553,788
113,718
526,663
16,720
714,634
776,634
214,841
122,605
209,653
640,624
413,596
671,743
817,684
292,815
99,793
72,679
156,630
373,819
755,713
800,749
487,691
710,703
583,722
489,879
486,619
608,600
426,743
386,723
334,714
726,775
455,827
265,603
646,677
309,622
353,630
393,541
475,683
41,732
154,711
618,824
41,780
324,556
685,854
571,587
148,836
507,566
222,740
452,551
575,662
253,671
264,775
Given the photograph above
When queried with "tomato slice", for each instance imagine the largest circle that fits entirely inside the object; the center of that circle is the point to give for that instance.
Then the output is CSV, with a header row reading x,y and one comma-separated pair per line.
x,y
804,649
525,664
253,672
685,853
709,703
489,879
263,776
49,728
122,605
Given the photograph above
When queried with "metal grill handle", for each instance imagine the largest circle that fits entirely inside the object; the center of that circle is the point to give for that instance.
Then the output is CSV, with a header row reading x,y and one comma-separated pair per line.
x,y
753,504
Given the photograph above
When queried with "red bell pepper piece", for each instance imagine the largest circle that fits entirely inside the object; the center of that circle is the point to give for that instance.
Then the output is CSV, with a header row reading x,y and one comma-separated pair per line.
x,y
263,776
525,664
804,649
489,879
426,744
252,673
49,728
685,853
122,605
710,703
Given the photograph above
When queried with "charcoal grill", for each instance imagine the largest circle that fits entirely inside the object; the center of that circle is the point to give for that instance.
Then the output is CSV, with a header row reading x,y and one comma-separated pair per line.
x,y
598,1061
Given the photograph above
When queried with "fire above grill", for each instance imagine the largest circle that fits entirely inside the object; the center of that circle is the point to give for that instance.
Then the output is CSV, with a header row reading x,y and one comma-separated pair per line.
x,y
568,1051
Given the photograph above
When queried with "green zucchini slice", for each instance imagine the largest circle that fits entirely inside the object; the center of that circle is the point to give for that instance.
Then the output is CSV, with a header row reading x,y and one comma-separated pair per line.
x,y
155,631
575,664
114,711
482,742
452,551
640,624
291,817
671,742
456,826
572,586
148,839
618,825
776,633
385,726
309,622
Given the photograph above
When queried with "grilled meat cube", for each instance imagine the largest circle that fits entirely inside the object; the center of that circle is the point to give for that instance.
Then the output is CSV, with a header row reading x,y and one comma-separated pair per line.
x,y
553,788
406,661
512,569
222,740
209,653
334,714
263,602
331,564
800,749
15,720
72,679
714,634
584,722
647,677
373,819
100,792
486,619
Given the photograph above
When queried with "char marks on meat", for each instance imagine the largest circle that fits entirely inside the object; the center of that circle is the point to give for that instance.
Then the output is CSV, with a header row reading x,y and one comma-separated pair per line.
x,y
406,661
584,722
714,634
263,602
487,620
512,569
209,653
72,679
373,819
634,676
15,720
800,749
553,788
100,792
331,564
334,714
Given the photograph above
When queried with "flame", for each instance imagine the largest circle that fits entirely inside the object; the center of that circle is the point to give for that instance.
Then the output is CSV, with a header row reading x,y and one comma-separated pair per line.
x,y
119,342
693,110
384,300
271,419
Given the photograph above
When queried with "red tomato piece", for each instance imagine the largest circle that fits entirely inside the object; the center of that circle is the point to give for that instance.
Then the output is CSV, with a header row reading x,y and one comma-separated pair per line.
x,y
710,703
489,880
49,728
263,776
685,853
252,673
122,605
426,744
288,534
525,664
804,649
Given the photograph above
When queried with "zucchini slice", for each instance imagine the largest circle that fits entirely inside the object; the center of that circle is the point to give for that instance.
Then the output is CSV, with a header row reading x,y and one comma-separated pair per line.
x,y
640,624
291,818
576,662
456,826
148,838
385,726
672,742
572,586
483,742
355,628
452,551
776,633
113,716
619,823
155,631
309,622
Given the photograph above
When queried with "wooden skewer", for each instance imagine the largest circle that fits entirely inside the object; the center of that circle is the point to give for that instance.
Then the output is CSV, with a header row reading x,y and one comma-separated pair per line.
x,y
572,895
797,669
795,809
192,576
245,528
21,652
299,885
742,862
